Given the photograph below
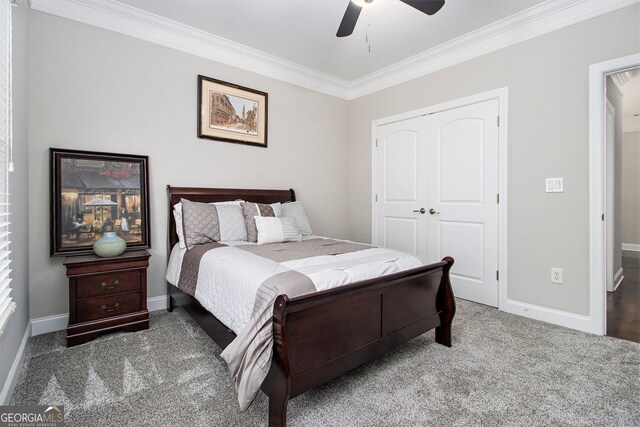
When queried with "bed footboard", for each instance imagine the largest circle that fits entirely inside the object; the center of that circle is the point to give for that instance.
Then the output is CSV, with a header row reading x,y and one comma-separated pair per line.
x,y
321,336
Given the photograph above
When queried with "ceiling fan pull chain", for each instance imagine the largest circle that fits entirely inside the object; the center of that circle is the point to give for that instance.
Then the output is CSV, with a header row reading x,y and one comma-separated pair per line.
x,y
368,33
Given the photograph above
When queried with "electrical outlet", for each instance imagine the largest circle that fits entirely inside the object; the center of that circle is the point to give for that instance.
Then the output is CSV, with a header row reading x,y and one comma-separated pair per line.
x,y
556,275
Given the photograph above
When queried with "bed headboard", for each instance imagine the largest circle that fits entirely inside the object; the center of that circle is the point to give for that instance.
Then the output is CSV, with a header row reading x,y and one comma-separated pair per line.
x,y
209,195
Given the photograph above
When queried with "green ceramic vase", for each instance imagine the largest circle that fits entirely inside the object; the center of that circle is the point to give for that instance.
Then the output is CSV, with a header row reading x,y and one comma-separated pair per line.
x,y
109,245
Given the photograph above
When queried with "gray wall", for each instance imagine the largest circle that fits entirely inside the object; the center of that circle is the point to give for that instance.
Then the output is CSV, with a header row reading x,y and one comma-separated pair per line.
x,y
18,184
548,136
631,188
98,90
615,98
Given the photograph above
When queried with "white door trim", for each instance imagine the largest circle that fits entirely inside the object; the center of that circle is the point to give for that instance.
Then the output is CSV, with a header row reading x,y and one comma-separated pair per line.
x,y
502,95
597,137
610,188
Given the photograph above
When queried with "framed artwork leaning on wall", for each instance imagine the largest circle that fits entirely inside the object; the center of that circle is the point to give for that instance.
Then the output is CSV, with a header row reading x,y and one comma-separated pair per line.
x,y
92,193
231,113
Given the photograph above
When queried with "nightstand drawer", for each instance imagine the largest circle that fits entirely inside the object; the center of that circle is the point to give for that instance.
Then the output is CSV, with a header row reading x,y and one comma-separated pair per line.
x,y
106,284
106,294
98,308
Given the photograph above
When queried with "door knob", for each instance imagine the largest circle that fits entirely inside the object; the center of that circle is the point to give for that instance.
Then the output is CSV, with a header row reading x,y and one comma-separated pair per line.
x,y
421,210
433,212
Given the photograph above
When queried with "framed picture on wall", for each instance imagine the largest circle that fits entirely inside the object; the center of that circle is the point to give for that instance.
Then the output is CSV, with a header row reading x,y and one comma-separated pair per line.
x,y
231,113
92,193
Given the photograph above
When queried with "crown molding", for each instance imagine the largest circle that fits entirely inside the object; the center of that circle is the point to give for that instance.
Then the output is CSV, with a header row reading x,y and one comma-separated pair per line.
x,y
622,78
545,17
538,20
134,22
631,124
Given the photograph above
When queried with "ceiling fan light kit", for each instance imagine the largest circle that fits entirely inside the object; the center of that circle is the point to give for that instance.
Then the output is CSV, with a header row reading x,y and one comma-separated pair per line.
x,y
363,3
354,8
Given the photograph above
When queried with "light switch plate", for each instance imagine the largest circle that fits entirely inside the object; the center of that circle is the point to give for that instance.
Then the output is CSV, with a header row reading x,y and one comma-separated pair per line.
x,y
554,185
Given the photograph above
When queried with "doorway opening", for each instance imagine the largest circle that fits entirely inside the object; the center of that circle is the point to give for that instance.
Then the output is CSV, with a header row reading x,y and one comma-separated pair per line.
x,y
614,145
622,211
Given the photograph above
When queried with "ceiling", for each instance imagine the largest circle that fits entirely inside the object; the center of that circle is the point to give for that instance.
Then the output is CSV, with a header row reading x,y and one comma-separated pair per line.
x,y
303,31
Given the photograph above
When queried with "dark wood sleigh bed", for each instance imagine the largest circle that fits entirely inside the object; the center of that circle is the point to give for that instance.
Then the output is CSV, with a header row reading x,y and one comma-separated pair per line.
x,y
320,336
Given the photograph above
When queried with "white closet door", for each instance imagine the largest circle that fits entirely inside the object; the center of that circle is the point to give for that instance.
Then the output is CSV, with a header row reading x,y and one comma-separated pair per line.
x,y
462,161
437,189
401,189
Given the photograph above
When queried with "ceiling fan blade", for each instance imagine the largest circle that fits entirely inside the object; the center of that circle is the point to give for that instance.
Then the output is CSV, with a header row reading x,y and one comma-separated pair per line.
x,y
349,20
425,6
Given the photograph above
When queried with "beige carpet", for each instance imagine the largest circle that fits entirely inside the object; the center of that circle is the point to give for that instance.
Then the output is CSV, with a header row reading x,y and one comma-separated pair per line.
x,y
502,370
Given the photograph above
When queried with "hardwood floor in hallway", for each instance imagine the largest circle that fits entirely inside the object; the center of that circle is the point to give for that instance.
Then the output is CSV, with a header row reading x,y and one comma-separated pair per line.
x,y
623,305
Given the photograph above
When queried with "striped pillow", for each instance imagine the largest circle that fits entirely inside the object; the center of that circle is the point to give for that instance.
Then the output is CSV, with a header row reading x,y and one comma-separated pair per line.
x,y
296,210
276,230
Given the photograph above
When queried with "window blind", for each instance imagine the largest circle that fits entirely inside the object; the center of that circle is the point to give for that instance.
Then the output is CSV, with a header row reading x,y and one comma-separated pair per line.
x,y
7,306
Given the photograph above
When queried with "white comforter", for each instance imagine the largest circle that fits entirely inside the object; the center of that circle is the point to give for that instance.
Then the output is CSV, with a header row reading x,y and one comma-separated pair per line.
x,y
229,277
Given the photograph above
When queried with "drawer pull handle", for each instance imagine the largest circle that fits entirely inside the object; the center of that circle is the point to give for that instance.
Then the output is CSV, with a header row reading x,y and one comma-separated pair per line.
x,y
104,285
110,310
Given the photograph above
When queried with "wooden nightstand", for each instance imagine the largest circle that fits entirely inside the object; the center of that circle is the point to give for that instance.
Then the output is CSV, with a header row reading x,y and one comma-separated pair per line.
x,y
106,294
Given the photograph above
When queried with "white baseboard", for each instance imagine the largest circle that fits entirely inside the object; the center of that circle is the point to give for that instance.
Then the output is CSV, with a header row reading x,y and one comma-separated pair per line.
x,y
44,325
12,377
59,322
549,315
618,278
157,303
631,247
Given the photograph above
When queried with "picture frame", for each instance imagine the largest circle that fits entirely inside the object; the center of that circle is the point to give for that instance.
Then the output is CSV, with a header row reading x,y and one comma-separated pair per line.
x,y
231,113
92,193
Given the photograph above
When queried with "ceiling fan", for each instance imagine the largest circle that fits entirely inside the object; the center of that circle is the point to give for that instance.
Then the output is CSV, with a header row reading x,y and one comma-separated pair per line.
x,y
355,7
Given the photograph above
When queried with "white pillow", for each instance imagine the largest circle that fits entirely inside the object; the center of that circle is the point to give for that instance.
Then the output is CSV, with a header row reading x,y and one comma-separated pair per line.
x,y
295,209
232,225
276,230
177,216
277,208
